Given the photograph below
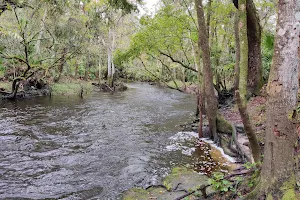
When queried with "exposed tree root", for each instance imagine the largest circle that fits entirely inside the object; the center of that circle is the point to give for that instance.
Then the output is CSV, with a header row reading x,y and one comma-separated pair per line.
x,y
239,149
255,148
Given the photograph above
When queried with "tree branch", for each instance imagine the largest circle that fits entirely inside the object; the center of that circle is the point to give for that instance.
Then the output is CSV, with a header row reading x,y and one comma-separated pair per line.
x,y
177,61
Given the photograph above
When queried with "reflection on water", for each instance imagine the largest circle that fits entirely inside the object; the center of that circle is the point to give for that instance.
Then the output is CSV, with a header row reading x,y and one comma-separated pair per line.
x,y
92,148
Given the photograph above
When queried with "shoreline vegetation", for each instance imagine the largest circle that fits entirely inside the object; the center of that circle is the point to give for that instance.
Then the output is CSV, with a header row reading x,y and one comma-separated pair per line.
x,y
67,87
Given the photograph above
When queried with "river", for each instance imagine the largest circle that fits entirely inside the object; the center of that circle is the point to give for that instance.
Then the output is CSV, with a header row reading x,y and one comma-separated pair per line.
x,y
91,148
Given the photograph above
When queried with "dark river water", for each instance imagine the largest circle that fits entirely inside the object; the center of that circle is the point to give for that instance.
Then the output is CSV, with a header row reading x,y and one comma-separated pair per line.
x,y
91,148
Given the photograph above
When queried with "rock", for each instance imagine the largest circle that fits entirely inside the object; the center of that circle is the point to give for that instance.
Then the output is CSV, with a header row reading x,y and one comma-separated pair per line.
x,y
187,179
152,193
175,185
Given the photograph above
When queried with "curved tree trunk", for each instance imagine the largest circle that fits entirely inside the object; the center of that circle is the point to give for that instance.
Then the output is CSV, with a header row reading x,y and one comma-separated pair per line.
x,y
279,164
210,97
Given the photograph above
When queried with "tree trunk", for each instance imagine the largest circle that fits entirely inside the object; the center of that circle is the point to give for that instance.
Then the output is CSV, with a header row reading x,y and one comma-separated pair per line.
x,y
254,146
279,164
38,42
109,59
87,67
76,69
99,70
242,68
62,63
244,51
208,17
210,97
237,51
254,49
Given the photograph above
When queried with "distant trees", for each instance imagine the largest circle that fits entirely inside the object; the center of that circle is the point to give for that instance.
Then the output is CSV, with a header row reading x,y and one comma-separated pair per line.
x,y
56,38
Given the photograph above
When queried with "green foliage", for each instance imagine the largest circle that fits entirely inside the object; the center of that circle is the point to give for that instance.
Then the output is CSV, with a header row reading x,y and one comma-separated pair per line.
x,y
252,181
219,183
267,53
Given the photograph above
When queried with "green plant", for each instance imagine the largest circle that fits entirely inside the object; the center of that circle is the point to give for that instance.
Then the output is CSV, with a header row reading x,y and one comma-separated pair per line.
x,y
255,167
267,53
219,183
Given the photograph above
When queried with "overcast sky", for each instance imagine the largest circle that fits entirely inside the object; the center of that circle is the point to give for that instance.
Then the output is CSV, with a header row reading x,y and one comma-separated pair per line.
x,y
150,5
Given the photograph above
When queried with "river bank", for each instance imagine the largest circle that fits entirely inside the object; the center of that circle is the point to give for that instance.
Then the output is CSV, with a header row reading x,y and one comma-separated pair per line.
x,y
67,87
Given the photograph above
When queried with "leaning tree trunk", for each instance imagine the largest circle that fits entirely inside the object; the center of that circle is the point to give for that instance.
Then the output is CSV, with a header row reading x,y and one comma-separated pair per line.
x,y
254,49
210,97
279,164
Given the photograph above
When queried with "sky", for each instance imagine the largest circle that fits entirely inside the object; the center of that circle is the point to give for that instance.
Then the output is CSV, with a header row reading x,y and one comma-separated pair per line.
x,y
149,4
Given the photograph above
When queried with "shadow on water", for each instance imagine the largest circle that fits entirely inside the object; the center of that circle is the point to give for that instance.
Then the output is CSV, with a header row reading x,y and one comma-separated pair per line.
x,y
96,147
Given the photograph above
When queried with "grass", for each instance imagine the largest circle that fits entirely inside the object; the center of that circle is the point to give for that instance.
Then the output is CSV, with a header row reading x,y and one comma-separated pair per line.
x,y
71,87
6,86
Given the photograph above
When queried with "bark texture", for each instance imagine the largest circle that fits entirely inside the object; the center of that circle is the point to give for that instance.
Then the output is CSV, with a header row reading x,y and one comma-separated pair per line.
x,y
243,50
211,100
279,164
237,51
254,146
254,49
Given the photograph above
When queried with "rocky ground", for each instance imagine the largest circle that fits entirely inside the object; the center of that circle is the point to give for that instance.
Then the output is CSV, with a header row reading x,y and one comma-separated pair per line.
x,y
179,184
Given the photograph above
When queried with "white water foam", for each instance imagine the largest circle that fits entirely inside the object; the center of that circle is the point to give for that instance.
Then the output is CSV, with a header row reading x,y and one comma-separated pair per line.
x,y
184,136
